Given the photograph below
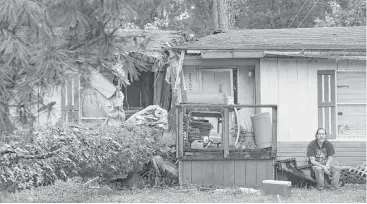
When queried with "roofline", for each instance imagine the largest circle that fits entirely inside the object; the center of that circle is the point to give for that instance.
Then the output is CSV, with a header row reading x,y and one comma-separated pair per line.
x,y
283,49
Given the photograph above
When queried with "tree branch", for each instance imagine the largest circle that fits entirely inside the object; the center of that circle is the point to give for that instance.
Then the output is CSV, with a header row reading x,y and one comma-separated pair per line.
x,y
22,156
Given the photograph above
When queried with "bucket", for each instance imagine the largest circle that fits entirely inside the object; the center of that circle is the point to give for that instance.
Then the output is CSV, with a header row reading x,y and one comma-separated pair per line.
x,y
248,140
262,129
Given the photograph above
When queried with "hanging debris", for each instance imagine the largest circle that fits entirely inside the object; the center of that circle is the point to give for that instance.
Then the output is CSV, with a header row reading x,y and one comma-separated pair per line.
x,y
153,116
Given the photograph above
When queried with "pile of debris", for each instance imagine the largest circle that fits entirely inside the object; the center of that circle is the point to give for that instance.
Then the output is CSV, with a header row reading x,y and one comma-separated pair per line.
x,y
153,116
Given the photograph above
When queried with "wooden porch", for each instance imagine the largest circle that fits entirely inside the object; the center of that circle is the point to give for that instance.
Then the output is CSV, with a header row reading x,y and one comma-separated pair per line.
x,y
223,164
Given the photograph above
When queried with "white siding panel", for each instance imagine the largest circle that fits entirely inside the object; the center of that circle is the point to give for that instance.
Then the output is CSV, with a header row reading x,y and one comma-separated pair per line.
x,y
312,99
269,84
284,101
246,93
293,93
303,117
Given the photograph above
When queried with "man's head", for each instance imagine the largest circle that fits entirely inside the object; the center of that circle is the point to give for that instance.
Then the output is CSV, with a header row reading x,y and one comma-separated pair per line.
x,y
320,135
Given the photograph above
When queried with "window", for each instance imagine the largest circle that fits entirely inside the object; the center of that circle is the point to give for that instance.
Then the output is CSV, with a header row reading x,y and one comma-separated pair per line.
x,y
342,103
326,101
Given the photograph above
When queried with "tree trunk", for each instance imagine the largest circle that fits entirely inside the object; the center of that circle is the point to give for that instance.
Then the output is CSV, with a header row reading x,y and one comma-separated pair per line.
x,y
215,15
223,15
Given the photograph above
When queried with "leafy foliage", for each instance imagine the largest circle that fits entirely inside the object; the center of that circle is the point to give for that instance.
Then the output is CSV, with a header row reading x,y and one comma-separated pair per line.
x,y
42,42
88,151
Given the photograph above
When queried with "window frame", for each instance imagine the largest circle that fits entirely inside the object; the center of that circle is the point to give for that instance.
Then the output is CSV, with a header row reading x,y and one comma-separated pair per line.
x,y
328,107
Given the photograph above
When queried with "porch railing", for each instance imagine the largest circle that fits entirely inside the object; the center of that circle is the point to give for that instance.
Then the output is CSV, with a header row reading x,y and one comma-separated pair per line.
x,y
198,109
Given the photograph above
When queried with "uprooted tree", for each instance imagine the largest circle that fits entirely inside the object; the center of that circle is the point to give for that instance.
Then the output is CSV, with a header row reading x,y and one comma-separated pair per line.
x,y
89,151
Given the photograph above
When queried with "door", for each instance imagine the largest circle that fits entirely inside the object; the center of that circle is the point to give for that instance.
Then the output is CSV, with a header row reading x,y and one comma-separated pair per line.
x,y
217,80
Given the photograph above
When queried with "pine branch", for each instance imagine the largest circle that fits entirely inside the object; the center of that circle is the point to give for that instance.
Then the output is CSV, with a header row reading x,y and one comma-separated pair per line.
x,y
19,155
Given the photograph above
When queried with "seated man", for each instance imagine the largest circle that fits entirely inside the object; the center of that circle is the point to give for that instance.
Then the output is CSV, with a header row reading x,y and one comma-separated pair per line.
x,y
320,152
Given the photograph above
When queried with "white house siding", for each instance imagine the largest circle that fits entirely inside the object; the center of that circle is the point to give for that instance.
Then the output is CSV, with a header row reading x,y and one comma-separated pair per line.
x,y
292,85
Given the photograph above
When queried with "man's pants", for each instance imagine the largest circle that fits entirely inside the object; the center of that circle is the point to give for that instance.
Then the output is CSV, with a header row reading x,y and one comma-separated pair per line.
x,y
320,176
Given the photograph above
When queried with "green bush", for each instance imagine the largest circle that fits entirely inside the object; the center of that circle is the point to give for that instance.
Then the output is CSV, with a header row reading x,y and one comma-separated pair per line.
x,y
86,150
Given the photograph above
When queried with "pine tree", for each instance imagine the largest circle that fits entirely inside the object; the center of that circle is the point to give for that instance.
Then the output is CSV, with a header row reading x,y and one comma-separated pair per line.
x,y
43,41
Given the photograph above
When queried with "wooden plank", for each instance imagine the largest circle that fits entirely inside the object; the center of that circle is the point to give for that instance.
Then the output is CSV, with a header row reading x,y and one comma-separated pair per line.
x,y
226,133
283,110
228,173
218,172
353,144
63,102
262,171
258,86
293,92
186,171
207,172
197,172
270,170
180,128
251,173
222,62
339,154
178,132
240,172
69,93
302,102
338,149
312,108
77,109
231,54
274,128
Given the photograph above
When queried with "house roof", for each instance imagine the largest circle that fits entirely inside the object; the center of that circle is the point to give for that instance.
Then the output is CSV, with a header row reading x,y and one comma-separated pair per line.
x,y
326,38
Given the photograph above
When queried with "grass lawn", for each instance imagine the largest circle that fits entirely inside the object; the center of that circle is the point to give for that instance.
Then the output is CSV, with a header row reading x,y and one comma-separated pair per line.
x,y
68,192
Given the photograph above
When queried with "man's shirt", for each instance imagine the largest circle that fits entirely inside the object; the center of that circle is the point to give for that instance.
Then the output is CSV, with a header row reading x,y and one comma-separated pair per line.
x,y
320,153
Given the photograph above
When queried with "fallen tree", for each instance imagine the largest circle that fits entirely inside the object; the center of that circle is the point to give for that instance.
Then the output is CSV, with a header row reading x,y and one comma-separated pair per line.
x,y
88,151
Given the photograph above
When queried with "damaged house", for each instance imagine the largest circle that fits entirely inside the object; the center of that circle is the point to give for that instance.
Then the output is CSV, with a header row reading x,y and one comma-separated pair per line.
x,y
111,96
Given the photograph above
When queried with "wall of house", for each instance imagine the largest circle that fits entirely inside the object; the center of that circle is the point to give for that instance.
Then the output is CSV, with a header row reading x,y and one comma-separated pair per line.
x,y
292,84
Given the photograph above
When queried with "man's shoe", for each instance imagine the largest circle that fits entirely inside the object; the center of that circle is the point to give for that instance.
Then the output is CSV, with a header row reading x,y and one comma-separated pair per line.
x,y
332,187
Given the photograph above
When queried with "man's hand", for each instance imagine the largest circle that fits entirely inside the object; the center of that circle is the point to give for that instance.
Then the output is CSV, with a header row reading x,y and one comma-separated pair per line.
x,y
326,169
